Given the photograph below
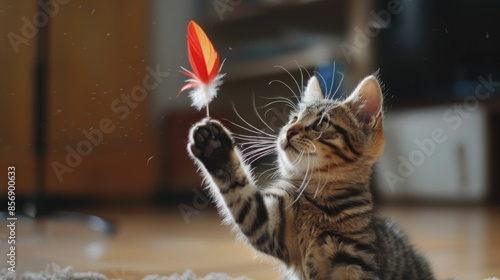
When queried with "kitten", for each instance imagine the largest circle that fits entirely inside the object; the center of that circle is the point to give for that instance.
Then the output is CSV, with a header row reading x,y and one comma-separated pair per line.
x,y
318,217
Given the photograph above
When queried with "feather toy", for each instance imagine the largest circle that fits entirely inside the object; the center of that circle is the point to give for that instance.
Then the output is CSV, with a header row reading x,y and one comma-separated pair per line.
x,y
204,60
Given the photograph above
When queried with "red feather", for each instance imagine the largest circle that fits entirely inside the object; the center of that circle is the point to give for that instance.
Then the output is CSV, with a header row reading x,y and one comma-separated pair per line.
x,y
204,60
203,57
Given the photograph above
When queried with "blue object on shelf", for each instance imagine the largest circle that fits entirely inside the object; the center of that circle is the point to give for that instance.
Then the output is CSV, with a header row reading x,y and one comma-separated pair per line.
x,y
330,78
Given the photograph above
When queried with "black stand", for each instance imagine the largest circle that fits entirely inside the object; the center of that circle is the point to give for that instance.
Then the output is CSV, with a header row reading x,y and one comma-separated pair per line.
x,y
38,208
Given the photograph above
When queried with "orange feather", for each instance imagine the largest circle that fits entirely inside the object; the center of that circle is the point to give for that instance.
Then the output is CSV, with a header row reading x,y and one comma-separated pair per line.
x,y
204,60
203,57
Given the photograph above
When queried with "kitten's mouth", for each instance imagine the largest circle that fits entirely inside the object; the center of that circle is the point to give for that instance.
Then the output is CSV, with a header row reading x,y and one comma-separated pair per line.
x,y
289,146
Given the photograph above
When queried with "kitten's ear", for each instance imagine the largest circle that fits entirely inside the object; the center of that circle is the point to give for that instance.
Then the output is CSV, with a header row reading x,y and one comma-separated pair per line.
x,y
367,100
313,91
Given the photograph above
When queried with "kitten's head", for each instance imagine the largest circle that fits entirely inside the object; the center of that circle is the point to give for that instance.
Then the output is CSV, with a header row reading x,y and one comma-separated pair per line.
x,y
324,134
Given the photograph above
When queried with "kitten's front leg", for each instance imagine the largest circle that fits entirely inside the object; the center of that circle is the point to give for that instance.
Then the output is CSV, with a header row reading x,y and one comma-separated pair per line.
x,y
259,216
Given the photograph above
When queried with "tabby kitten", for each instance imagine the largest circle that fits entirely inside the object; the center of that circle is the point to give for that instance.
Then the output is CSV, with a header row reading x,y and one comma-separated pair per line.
x,y
318,217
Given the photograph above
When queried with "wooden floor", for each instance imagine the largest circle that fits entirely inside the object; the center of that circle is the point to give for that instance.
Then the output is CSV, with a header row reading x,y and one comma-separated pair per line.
x,y
461,242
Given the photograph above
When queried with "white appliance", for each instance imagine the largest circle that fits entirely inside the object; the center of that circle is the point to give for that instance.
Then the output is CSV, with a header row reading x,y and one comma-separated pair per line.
x,y
435,153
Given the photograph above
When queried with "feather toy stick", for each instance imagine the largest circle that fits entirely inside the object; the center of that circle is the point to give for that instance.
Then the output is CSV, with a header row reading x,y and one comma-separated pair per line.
x,y
204,60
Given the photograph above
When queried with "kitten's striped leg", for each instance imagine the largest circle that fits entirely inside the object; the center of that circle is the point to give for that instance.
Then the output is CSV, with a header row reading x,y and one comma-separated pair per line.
x,y
259,216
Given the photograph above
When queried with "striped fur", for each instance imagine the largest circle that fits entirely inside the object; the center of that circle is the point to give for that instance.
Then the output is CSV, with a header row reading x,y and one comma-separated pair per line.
x,y
318,217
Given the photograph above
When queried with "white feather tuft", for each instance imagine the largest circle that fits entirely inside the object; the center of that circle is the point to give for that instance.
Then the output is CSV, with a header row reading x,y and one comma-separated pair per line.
x,y
202,94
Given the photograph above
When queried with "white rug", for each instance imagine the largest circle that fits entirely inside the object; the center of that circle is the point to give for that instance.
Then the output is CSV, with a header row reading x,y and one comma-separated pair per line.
x,y
54,272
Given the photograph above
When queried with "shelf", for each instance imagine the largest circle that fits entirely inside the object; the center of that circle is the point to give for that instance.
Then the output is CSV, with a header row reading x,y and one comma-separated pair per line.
x,y
257,36
253,9
266,57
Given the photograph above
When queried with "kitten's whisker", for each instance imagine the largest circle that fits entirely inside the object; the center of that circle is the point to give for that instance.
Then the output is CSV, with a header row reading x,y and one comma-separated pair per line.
x,y
259,133
297,161
246,129
288,99
323,116
276,173
256,156
293,78
301,70
301,76
285,101
254,146
319,177
287,86
319,136
311,144
250,125
316,73
340,83
327,177
251,160
258,115
251,147
271,170
270,137
255,139
328,109
252,150
304,184
259,156
320,76
318,189
307,71
267,111
255,143
250,141
267,137
333,79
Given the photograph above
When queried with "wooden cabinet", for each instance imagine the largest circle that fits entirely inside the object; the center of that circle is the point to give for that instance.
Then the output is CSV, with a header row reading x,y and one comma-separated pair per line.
x,y
16,96
100,142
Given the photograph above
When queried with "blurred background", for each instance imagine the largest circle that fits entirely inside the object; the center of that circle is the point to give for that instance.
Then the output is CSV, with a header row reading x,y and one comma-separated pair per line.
x,y
91,118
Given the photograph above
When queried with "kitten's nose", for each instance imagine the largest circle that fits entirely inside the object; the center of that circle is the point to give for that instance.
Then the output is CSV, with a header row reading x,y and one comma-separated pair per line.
x,y
290,133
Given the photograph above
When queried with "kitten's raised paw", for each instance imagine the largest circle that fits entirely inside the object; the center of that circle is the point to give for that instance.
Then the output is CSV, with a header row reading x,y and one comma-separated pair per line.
x,y
211,144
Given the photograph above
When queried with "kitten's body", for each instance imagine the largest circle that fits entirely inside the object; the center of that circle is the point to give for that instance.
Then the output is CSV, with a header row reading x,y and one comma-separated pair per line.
x,y
318,217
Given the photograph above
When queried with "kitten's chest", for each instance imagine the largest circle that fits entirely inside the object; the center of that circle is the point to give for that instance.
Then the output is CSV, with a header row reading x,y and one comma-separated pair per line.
x,y
302,226
309,223
310,217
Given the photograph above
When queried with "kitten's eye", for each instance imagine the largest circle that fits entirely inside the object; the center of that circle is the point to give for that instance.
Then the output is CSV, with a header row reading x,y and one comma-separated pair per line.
x,y
294,119
321,125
